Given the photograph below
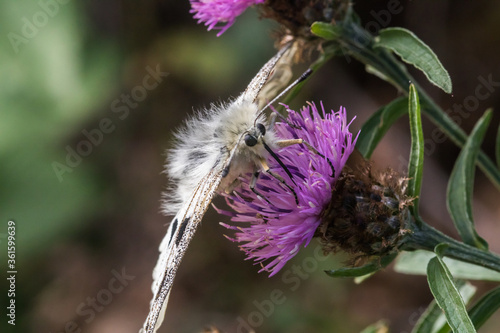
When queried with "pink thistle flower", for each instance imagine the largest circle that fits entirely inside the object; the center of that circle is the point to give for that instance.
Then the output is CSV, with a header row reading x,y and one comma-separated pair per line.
x,y
275,227
212,12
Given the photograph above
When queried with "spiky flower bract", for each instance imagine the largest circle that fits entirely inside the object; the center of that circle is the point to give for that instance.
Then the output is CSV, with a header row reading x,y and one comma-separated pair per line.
x,y
276,223
214,12
368,215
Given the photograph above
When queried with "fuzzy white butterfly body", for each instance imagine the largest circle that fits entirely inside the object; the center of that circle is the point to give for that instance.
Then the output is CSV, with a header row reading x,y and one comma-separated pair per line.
x,y
213,150
207,143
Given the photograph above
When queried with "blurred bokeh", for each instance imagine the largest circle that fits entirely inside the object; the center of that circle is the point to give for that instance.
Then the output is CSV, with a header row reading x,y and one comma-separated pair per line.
x,y
90,93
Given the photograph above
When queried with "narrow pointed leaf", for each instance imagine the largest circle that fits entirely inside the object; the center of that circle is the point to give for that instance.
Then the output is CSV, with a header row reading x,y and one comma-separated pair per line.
x,y
467,291
325,30
374,71
428,319
415,263
447,296
371,267
481,311
485,307
362,278
460,185
416,162
413,51
458,136
379,327
374,129
433,319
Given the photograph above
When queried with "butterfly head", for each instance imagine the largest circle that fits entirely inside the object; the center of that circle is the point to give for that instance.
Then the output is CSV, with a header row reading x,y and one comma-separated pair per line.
x,y
255,135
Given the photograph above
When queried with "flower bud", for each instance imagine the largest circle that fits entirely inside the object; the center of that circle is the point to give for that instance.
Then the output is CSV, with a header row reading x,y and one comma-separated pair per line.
x,y
367,213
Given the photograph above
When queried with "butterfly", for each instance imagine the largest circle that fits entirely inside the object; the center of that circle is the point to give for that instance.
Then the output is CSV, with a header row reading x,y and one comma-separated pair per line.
x,y
212,151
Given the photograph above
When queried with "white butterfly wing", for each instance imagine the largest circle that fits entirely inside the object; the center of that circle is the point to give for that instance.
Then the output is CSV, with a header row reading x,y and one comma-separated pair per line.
x,y
253,89
183,226
175,243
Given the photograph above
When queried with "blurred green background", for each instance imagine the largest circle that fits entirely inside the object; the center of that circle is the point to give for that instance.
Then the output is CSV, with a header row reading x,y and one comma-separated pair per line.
x,y
73,70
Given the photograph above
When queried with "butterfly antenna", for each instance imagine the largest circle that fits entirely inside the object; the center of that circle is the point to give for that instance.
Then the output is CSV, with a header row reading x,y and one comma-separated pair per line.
x,y
304,76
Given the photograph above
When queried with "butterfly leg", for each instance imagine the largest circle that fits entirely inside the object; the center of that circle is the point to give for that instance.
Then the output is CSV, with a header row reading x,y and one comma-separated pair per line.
x,y
267,170
232,186
287,143
253,183
272,119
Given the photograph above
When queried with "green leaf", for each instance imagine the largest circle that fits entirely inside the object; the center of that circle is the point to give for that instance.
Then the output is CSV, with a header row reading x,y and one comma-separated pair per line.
x,y
325,30
413,51
433,319
481,311
415,263
446,294
497,148
374,129
485,307
467,291
428,319
362,278
369,268
458,136
416,163
460,185
374,71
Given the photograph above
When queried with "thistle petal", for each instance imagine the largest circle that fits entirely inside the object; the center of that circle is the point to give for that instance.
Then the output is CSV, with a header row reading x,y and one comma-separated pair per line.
x,y
214,12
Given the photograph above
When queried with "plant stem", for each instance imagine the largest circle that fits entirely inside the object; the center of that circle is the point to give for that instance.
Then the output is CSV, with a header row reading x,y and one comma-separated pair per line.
x,y
360,44
425,237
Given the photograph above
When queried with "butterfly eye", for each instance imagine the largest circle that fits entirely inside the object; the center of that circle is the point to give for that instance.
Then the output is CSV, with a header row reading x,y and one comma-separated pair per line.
x,y
261,128
250,140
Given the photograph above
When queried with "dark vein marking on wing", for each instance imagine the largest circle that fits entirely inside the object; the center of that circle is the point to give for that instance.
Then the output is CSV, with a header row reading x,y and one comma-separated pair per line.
x,y
181,230
174,228
196,208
